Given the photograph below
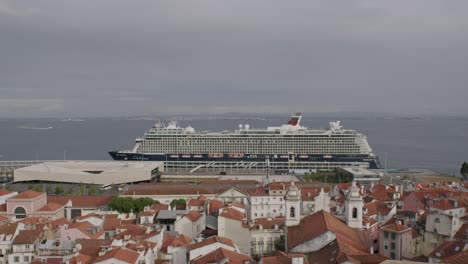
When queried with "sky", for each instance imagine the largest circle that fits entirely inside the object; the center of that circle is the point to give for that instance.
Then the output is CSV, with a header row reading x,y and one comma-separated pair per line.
x,y
124,58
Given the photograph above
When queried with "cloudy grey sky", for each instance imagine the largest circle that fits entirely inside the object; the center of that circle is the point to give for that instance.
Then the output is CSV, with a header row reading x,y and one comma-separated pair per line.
x,y
112,57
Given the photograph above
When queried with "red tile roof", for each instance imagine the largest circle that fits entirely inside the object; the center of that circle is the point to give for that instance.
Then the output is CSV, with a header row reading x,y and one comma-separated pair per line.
x,y
4,192
81,201
8,229
29,194
50,207
193,215
159,207
215,256
462,232
267,223
280,257
229,182
169,191
196,202
395,227
110,223
121,254
447,249
232,214
180,240
321,222
214,206
212,240
459,258
378,207
28,236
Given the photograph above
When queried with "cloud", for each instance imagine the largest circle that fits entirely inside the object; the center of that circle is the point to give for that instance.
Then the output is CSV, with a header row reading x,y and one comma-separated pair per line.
x,y
147,57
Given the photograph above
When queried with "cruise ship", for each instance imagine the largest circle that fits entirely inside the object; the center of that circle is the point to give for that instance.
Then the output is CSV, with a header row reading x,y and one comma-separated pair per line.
x,y
289,143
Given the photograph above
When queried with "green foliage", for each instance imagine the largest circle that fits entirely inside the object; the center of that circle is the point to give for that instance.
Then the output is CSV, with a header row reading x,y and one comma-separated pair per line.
x,y
70,191
128,204
334,176
30,187
177,202
39,188
58,190
92,190
280,244
464,170
48,190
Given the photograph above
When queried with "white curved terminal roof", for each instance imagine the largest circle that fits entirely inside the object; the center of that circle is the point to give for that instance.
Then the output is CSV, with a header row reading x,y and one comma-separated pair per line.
x,y
89,172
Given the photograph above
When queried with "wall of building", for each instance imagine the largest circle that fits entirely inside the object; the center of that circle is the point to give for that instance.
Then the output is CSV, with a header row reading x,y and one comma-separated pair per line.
x,y
234,230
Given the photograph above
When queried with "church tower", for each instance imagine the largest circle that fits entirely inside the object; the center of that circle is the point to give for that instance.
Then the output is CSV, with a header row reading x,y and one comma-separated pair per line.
x,y
293,205
353,207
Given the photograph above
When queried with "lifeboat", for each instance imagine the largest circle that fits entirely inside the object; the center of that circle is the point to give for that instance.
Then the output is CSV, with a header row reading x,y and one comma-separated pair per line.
x,y
283,156
303,156
327,156
236,155
216,155
174,156
186,156
197,156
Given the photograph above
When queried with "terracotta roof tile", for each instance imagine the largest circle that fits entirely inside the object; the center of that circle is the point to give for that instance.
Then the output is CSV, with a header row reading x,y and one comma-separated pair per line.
x,y
29,194
27,236
169,191
214,206
212,240
280,257
395,227
159,207
196,202
319,223
459,258
232,214
8,229
50,207
81,201
193,215
221,254
4,192
267,223
121,254
447,249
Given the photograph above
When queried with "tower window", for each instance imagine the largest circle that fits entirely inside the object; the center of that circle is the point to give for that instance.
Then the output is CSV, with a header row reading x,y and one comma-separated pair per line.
x,y
354,212
292,212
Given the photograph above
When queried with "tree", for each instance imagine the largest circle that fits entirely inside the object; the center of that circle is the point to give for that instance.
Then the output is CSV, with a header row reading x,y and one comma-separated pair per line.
x,y
280,244
178,202
92,190
58,190
70,191
48,190
128,204
464,170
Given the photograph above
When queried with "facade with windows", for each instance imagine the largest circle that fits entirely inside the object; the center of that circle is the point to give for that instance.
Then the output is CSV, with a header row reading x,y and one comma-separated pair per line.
x,y
32,203
398,241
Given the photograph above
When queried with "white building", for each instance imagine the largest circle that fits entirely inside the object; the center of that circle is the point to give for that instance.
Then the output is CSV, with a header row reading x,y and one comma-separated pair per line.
x,y
211,244
293,205
190,224
233,224
353,207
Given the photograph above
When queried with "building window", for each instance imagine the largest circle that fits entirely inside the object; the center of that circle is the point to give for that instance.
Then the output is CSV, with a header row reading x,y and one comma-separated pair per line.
x,y
437,220
385,234
392,245
26,258
16,259
392,255
292,212
393,235
20,212
354,212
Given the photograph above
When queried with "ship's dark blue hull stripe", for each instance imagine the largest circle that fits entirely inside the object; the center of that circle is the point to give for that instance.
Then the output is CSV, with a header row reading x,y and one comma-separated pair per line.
x,y
373,162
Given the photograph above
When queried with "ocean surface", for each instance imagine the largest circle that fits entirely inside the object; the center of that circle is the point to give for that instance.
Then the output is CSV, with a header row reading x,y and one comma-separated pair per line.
x,y
440,144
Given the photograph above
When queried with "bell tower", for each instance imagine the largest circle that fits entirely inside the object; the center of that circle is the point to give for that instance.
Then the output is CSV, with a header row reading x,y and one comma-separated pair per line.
x,y
293,205
353,207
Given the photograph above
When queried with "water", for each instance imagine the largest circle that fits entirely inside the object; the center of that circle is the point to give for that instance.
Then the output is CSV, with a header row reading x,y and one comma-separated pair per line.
x,y
440,144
